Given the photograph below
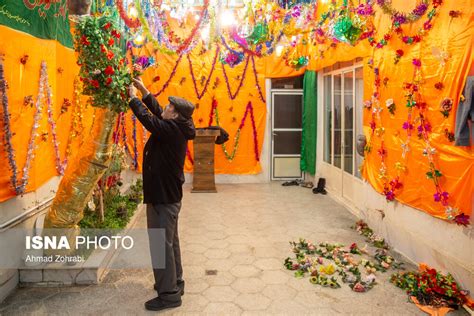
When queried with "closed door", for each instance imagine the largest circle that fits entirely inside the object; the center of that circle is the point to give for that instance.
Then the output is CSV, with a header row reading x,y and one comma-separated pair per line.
x,y
287,114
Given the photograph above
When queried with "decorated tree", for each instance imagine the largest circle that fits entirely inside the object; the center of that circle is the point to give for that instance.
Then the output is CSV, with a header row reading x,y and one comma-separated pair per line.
x,y
105,79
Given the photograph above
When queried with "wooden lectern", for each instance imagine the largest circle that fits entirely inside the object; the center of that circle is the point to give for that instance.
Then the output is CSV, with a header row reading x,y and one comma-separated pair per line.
x,y
203,176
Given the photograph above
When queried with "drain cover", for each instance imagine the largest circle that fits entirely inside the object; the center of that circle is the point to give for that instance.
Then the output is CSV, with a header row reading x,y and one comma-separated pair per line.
x,y
211,272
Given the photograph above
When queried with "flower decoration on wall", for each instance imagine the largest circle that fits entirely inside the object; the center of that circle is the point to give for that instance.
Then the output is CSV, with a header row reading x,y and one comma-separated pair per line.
x,y
28,101
24,59
65,106
449,135
390,104
398,55
455,13
439,86
446,106
103,70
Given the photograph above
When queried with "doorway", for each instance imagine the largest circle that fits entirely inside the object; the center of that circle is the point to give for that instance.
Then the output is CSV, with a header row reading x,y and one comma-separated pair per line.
x,y
286,128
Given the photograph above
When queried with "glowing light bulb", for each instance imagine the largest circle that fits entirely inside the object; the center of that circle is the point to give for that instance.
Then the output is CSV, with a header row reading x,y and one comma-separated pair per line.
x,y
205,32
139,39
132,12
227,18
279,50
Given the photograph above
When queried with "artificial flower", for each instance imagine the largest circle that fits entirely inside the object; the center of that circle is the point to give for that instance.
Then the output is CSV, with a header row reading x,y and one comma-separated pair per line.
x,y
95,83
110,55
439,85
109,71
462,219
85,40
115,34
358,287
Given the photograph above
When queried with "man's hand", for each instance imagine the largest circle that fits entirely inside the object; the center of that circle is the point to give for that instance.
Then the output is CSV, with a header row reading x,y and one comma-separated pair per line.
x,y
138,83
132,91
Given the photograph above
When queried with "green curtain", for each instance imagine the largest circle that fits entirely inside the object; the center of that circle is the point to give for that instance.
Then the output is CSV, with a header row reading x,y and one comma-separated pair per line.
x,y
43,19
310,118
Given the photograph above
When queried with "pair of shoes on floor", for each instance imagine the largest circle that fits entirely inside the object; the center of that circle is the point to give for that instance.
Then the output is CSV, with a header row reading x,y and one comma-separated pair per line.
x,y
158,304
308,185
320,187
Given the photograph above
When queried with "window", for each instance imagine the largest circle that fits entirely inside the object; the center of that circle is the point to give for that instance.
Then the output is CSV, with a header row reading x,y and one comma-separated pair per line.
x,y
343,105
288,83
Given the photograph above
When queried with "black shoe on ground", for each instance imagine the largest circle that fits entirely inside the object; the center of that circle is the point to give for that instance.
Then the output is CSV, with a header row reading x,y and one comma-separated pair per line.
x,y
181,286
157,304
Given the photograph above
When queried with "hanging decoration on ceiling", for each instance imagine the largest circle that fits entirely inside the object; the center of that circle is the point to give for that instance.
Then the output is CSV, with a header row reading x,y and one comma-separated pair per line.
x,y
399,19
347,27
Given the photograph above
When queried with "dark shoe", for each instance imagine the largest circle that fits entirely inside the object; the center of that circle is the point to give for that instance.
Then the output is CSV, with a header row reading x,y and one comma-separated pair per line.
x,y
289,183
157,304
181,286
320,187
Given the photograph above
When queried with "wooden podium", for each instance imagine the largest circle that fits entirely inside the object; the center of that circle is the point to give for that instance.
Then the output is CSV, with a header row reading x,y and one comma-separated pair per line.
x,y
203,175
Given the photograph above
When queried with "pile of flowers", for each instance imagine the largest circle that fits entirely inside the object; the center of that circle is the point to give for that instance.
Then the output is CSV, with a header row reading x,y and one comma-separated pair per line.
x,y
363,229
329,264
431,287
103,70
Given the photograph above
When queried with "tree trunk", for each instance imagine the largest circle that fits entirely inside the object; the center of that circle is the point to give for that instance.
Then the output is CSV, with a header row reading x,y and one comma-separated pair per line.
x,y
80,179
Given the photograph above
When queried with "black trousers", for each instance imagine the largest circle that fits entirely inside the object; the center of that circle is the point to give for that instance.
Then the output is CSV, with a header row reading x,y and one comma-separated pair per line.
x,y
165,216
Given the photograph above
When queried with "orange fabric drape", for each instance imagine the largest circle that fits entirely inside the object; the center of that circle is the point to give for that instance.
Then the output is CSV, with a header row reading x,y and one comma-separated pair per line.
x,y
23,80
453,36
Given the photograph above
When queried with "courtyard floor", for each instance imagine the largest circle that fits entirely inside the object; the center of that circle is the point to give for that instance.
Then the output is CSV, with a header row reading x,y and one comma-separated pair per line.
x,y
242,232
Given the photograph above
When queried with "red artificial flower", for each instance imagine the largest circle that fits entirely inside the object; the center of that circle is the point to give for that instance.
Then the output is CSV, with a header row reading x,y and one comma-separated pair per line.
x,y
111,41
416,39
462,219
387,36
115,34
95,83
103,49
108,81
421,105
454,14
437,3
439,85
109,71
85,40
382,152
110,55
107,26
121,61
395,184
400,52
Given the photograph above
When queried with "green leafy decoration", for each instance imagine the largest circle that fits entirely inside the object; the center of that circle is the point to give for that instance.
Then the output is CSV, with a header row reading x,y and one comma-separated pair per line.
x,y
103,70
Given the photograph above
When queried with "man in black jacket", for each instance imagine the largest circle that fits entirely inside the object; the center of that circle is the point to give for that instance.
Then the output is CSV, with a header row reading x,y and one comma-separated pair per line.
x,y
163,162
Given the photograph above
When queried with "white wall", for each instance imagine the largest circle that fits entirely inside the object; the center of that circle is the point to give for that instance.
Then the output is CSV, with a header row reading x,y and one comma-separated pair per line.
x,y
421,237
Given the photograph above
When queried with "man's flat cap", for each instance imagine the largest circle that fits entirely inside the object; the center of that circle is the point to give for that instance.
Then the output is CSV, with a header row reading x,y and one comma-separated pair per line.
x,y
182,106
